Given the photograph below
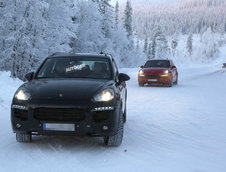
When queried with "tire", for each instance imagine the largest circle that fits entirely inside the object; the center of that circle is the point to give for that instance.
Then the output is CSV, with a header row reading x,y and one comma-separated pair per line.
x,y
23,137
141,85
170,84
176,82
116,139
124,116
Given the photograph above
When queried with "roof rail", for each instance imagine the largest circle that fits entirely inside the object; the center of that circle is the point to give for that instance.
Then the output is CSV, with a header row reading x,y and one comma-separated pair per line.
x,y
106,54
101,52
56,53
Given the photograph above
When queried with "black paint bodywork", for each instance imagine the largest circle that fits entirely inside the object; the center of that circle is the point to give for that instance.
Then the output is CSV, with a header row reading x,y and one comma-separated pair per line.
x,y
76,94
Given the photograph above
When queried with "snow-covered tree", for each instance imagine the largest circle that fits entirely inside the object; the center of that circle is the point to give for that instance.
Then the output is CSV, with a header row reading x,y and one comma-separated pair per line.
x,y
116,14
127,23
161,45
145,49
174,43
181,16
190,44
152,48
90,38
107,13
137,44
35,30
209,44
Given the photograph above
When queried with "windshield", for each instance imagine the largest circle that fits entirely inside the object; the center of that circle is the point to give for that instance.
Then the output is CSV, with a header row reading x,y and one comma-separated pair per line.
x,y
75,67
157,63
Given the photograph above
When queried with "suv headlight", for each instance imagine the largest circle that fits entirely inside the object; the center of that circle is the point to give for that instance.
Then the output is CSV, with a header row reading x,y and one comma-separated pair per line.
x,y
141,73
22,95
166,71
104,96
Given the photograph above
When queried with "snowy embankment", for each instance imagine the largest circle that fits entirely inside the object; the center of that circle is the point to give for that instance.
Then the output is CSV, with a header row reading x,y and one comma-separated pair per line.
x,y
168,129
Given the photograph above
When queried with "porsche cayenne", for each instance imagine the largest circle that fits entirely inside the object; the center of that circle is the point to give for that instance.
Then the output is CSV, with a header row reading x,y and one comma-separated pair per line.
x,y
72,94
158,71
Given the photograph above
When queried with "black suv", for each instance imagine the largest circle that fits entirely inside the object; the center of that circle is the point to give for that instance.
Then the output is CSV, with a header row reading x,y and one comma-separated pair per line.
x,y
72,94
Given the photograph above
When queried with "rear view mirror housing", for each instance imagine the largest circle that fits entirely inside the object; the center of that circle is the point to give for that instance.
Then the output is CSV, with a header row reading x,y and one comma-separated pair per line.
x,y
29,76
173,67
123,77
142,66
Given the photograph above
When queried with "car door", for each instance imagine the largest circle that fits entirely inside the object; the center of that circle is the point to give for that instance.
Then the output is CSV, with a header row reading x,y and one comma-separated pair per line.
x,y
121,87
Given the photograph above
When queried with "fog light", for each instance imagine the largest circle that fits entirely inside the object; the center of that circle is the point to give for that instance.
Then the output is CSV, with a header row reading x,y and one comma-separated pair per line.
x,y
19,107
18,125
105,127
103,108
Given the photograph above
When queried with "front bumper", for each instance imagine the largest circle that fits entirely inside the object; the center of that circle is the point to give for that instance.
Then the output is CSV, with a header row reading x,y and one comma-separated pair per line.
x,y
92,122
155,79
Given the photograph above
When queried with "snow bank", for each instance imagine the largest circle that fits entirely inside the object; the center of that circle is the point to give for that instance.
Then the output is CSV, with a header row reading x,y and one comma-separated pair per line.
x,y
8,87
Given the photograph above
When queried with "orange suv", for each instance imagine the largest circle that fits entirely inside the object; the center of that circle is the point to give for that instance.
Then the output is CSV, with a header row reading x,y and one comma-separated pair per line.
x,y
158,71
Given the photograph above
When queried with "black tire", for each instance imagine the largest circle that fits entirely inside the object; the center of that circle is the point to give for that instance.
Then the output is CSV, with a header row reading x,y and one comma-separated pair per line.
x,y
23,137
116,139
176,82
124,115
170,84
141,85
125,112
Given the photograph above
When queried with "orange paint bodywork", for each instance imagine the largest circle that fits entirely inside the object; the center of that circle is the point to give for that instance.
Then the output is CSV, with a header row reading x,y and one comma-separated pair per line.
x,y
158,75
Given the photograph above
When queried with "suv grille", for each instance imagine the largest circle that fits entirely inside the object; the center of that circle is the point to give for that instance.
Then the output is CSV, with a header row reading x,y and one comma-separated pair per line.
x,y
152,76
60,114
21,114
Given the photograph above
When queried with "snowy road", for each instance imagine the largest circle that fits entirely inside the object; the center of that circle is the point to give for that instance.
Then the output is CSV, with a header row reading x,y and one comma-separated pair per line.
x,y
182,129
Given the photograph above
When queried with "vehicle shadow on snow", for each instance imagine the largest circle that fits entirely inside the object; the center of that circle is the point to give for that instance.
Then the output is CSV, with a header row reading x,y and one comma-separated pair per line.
x,y
67,142
158,86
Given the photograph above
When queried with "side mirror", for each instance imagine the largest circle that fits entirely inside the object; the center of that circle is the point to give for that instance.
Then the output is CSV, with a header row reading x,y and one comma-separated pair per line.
x,y
123,77
29,76
142,66
173,67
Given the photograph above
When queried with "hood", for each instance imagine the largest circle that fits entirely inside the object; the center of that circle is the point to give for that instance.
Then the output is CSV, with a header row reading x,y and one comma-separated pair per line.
x,y
65,89
154,70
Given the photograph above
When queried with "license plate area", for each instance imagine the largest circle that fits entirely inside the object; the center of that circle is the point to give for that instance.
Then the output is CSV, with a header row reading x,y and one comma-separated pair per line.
x,y
58,127
153,80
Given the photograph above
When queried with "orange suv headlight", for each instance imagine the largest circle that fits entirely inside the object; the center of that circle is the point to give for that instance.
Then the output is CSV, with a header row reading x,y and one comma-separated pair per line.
x,y
141,73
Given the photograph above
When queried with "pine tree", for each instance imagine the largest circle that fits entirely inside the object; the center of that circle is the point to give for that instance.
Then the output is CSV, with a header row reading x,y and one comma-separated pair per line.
x,y
116,14
149,51
128,20
137,44
174,45
145,50
190,44
32,29
152,48
107,13
209,44
90,37
161,44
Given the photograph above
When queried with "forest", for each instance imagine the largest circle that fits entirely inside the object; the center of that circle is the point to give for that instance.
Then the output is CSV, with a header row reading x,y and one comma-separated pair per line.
x,y
186,31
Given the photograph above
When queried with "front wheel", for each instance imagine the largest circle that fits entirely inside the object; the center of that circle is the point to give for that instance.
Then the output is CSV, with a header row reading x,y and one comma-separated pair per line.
x,y
141,85
170,84
176,82
124,115
116,139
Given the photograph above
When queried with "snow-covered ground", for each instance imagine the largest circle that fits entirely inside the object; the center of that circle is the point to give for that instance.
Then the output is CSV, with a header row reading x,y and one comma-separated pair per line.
x,y
182,129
